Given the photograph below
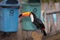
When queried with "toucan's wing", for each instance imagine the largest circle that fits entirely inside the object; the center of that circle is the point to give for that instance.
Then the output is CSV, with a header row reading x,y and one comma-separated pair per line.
x,y
40,23
41,26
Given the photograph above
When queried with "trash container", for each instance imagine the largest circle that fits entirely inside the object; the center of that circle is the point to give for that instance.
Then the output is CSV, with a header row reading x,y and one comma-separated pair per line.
x,y
26,21
9,16
27,26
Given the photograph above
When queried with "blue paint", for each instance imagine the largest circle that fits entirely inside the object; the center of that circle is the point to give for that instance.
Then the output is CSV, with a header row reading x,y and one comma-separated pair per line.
x,y
42,19
54,17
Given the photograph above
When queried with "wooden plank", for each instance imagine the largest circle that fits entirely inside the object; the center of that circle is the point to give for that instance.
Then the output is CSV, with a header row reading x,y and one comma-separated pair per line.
x,y
48,24
58,22
19,33
52,11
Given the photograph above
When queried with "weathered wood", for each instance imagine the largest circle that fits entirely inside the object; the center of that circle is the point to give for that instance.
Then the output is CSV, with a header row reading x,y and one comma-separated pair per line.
x,y
58,22
52,11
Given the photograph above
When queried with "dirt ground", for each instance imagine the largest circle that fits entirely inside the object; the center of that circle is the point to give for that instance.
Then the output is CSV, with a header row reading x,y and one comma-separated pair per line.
x,y
14,36
18,36
53,37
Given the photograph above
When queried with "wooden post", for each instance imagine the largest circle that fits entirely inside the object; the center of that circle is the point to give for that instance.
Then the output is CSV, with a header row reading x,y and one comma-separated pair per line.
x,y
52,24
45,9
57,6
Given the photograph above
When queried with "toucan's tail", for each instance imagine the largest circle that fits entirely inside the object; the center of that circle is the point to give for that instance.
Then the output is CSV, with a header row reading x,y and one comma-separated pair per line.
x,y
44,33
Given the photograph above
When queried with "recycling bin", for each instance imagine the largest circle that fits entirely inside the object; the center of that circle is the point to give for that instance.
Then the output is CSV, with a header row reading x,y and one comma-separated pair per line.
x,y
26,21
10,20
9,11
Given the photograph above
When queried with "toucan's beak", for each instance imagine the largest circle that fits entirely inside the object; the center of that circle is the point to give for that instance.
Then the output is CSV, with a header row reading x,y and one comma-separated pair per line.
x,y
25,14
20,15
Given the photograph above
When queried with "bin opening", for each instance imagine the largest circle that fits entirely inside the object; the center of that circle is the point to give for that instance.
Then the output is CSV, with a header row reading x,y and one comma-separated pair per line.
x,y
34,1
10,7
11,2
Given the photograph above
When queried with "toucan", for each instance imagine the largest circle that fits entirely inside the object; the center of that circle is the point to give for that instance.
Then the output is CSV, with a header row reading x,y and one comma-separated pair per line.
x,y
36,21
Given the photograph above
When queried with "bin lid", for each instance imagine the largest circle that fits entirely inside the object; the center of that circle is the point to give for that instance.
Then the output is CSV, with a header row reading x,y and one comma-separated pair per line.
x,y
37,4
10,6
8,3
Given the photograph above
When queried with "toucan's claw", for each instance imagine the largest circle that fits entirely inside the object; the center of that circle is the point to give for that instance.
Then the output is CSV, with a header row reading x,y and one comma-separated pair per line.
x,y
44,33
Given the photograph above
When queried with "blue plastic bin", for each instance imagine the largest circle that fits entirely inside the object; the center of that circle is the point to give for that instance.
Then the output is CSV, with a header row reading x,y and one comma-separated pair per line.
x,y
9,17
10,20
26,21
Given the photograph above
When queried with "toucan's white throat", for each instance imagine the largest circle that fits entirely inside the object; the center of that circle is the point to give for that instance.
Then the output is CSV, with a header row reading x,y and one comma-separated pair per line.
x,y
32,17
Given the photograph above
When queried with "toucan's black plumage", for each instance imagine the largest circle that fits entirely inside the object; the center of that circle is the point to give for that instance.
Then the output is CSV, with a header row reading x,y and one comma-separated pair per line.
x,y
39,24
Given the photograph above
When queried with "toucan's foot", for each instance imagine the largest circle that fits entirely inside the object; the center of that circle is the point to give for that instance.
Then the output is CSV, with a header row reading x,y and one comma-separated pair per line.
x,y
44,33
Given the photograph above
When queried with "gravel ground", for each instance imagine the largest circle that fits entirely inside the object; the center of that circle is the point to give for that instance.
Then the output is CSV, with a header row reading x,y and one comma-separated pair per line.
x,y
53,37
18,36
12,36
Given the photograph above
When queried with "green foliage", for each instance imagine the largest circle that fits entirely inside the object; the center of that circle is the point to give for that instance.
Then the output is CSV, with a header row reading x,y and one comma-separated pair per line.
x,y
56,0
